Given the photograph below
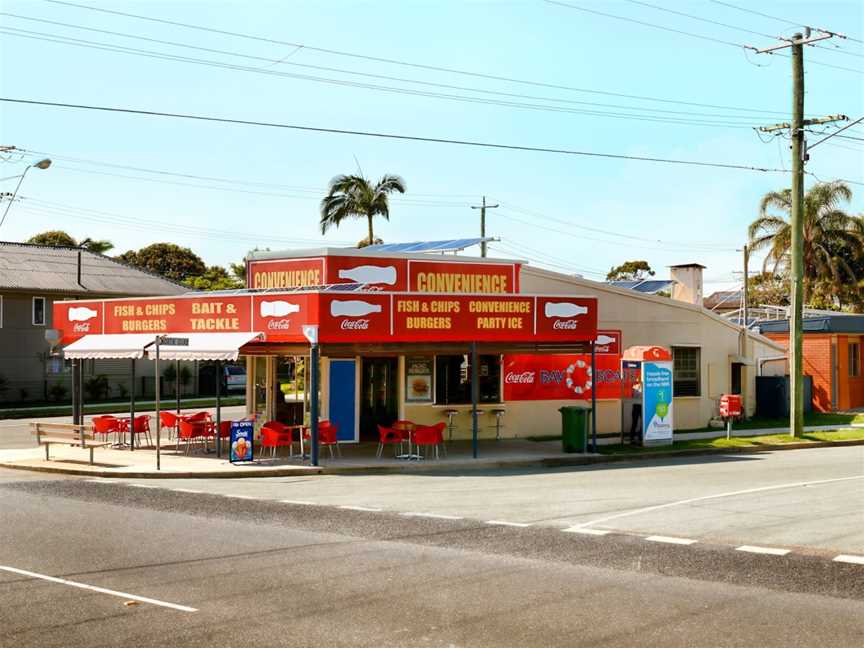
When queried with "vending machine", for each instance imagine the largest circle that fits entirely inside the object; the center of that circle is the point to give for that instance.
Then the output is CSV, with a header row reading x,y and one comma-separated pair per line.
x,y
647,412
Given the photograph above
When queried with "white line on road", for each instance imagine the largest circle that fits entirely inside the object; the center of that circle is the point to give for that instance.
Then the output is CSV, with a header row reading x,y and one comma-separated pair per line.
x,y
436,516
186,490
670,540
762,550
101,590
249,497
583,531
512,524
361,508
690,500
142,485
846,558
298,502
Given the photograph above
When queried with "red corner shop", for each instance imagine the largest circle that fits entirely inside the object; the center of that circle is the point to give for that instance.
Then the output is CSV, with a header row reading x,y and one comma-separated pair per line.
x,y
385,335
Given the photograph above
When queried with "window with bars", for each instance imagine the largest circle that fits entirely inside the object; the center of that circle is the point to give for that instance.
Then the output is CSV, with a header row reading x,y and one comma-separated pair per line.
x,y
687,364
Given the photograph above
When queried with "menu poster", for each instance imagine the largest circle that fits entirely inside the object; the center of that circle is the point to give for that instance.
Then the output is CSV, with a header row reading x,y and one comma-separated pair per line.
x,y
242,433
418,379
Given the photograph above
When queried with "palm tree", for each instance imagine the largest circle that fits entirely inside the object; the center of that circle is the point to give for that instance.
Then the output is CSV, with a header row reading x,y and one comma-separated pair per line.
x,y
99,247
353,196
827,230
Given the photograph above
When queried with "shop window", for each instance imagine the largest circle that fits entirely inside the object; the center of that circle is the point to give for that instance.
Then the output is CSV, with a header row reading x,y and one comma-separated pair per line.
x,y
453,379
687,371
38,311
854,359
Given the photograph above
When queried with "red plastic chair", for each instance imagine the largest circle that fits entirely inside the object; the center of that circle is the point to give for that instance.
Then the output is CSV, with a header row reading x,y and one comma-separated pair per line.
x,y
225,429
404,428
141,425
106,425
389,436
428,435
328,434
168,420
276,435
191,432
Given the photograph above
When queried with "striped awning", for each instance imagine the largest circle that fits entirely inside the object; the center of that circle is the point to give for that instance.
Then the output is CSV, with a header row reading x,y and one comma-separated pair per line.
x,y
107,347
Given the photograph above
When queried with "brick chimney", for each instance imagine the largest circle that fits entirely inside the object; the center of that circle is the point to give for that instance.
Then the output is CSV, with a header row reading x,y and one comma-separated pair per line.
x,y
688,282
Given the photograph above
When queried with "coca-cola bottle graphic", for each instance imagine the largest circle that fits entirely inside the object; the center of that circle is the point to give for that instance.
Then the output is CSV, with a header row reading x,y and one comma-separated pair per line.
x,y
81,314
278,308
352,308
370,274
564,309
604,340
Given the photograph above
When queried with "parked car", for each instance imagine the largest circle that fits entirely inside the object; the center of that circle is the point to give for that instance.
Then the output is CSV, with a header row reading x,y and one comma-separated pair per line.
x,y
233,378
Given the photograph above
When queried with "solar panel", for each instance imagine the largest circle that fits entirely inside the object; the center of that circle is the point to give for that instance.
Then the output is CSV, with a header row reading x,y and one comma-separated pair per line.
x,y
450,245
651,287
625,284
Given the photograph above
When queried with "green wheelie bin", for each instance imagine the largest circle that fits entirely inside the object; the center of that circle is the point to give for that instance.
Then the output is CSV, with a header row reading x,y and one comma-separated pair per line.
x,y
574,427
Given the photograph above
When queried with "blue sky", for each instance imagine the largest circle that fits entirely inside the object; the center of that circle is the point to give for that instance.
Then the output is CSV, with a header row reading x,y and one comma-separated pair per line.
x,y
582,214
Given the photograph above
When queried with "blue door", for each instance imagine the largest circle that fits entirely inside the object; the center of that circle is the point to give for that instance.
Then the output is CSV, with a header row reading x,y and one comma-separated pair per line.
x,y
343,397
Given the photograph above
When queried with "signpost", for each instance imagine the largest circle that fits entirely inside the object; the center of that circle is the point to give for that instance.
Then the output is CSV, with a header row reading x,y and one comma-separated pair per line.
x,y
242,436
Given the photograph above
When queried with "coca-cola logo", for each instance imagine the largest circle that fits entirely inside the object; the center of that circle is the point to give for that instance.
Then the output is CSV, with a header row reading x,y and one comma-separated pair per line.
x,y
523,378
353,325
567,325
279,325
81,327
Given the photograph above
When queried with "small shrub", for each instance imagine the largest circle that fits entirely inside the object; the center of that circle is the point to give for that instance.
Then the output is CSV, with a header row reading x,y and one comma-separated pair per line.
x,y
96,387
57,391
122,391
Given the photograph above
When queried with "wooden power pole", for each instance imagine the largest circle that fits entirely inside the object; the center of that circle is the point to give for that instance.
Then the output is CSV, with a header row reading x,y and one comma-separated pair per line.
x,y
483,207
796,270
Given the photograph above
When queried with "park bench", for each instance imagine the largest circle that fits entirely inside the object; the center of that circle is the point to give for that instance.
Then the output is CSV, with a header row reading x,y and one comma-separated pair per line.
x,y
80,436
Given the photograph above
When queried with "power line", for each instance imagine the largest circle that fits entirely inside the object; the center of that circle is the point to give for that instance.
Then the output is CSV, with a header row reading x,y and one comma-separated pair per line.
x,y
703,37
354,84
409,64
764,15
390,136
325,68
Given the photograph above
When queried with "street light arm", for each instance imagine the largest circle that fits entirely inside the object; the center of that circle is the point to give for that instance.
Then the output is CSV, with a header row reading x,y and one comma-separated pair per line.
x,y
14,194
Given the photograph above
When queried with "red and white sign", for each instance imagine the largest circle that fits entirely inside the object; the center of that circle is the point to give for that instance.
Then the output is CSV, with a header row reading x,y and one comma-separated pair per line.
x,y
343,317
285,273
560,377
608,342
730,405
391,274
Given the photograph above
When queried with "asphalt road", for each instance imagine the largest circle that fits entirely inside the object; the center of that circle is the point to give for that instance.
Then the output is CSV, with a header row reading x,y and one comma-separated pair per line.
x,y
267,573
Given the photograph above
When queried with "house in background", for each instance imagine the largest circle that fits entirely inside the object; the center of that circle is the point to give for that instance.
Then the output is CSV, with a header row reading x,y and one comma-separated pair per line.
x,y
32,277
832,357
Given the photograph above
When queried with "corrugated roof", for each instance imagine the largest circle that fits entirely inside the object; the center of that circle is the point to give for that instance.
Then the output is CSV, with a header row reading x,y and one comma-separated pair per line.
x,y
41,268
830,324
647,286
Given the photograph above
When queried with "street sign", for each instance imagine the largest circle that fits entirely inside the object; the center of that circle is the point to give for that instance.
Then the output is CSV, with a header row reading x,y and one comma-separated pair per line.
x,y
173,341
242,434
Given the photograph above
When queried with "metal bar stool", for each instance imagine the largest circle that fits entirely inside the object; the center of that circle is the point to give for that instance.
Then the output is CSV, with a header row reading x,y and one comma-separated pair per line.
x,y
450,413
498,413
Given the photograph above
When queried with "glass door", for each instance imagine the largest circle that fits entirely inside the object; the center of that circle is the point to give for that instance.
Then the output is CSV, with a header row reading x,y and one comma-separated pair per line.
x,y
379,402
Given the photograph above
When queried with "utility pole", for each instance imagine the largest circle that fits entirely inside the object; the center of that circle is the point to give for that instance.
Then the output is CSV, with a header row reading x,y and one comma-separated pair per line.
x,y
799,157
483,209
745,302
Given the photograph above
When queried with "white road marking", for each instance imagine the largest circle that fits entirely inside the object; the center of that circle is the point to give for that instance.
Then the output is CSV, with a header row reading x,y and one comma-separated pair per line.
x,y
512,524
361,508
762,550
249,497
846,558
298,502
436,516
101,590
690,500
96,481
142,485
593,532
186,490
670,540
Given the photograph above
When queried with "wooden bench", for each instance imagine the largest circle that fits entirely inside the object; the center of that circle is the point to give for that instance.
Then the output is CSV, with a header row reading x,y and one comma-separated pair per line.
x,y
79,436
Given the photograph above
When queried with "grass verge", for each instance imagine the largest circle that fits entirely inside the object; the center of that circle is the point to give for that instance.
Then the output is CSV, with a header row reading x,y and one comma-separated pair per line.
x,y
114,408
831,436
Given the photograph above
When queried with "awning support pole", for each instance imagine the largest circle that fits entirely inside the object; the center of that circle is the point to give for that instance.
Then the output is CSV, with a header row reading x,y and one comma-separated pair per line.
x,y
313,402
132,404
475,396
593,397
177,384
158,422
81,392
218,408
75,392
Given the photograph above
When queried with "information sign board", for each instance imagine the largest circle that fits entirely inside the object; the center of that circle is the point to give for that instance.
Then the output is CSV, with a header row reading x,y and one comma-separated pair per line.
x,y
242,441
